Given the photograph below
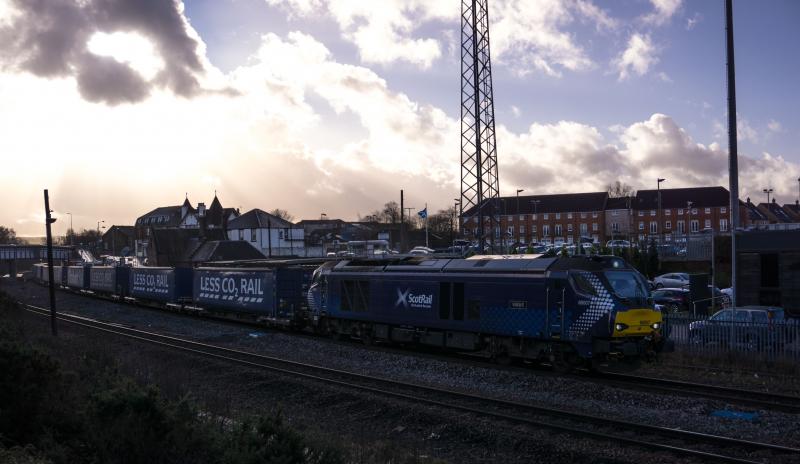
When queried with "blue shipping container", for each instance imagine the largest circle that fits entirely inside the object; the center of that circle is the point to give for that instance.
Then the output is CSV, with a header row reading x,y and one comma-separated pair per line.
x,y
250,290
108,279
164,284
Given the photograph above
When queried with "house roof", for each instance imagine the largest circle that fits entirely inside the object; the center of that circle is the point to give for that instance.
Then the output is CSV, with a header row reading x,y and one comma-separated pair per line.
x,y
320,222
125,230
776,210
618,203
753,213
701,197
226,250
258,219
793,209
559,203
163,216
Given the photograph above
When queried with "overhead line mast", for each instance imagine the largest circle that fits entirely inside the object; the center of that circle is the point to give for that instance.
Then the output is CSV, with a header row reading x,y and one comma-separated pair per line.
x,y
479,177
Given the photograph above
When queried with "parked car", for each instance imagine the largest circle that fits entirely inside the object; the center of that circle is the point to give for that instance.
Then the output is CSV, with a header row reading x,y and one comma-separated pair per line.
x,y
673,280
749,327
421,250
618,244
673,300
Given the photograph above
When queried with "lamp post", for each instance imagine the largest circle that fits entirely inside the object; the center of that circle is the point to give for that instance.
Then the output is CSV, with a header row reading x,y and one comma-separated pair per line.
x,y
518,191
768,191
534,218
456,221
659,230
99,240
73,230
713,280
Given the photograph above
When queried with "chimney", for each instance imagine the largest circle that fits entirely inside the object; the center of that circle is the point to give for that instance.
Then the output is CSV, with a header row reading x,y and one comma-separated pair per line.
x,y
748,200
201,219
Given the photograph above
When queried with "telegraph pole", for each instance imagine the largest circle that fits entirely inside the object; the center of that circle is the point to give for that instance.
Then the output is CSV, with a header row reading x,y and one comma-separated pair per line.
x,y
52,287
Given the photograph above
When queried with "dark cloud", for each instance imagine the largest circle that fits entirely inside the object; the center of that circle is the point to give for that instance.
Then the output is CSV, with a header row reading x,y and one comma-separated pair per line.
x,y
49,39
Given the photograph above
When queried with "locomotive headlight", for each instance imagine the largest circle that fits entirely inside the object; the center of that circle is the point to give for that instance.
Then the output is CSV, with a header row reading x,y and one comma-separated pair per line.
x,y
656,326
619,327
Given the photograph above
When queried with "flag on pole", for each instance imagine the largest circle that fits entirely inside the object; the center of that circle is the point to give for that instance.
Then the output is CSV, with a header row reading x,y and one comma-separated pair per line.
x,y
423,213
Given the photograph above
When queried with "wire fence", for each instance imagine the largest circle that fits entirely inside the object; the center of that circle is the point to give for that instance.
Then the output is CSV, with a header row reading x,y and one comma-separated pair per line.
x,y
765,340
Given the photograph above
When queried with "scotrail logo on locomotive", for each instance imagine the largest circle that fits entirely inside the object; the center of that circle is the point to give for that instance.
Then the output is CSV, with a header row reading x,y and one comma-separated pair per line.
x,y
414,300
247,289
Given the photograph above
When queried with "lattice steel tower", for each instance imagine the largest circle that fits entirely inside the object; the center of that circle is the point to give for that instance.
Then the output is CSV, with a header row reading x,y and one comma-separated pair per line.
x,y
479,179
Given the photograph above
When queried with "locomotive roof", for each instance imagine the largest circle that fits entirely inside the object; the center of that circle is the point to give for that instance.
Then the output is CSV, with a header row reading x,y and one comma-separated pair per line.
x,y
487,264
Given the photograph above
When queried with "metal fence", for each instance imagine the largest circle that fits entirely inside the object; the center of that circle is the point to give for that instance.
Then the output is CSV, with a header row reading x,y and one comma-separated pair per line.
x,y
777,340
674,247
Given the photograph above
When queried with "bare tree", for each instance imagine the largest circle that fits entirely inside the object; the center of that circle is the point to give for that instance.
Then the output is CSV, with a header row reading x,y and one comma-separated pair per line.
x,y
8,236
619,190
282,213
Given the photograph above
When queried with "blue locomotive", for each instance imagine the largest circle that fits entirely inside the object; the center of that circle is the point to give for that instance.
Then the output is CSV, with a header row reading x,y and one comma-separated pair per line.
x,y
562,310
566,311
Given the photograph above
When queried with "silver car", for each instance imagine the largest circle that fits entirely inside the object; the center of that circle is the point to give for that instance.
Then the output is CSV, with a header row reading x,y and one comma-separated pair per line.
x,y
673,280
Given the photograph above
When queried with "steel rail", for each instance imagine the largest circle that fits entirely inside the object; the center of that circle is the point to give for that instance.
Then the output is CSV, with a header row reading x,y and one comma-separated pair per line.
x,y
758,399
204,349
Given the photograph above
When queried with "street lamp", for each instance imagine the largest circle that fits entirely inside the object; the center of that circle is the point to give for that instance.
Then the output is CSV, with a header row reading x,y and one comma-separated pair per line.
x,y
768,191
518,191
99,240
660,238
71,229
535,203
713,282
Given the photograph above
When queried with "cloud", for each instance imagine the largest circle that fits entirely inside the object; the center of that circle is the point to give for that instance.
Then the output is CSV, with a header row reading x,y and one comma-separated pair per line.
x,y
51,39
639,56
774,126
693,21
527,35
663,12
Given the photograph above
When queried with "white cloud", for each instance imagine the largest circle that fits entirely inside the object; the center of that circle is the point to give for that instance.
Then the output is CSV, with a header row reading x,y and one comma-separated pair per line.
x,y
693,21
527,35
664,77
664,10
639,56
774,126
516,111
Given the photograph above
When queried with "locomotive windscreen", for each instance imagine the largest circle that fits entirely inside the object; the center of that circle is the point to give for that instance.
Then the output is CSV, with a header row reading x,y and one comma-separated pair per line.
x,y
628,285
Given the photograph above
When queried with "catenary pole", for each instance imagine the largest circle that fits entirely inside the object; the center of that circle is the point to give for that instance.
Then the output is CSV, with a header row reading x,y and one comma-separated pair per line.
x,y
733,160
52,287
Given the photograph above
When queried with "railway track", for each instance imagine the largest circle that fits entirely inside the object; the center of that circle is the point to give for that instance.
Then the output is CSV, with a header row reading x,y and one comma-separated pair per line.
x,y
733,396
752,398
705,447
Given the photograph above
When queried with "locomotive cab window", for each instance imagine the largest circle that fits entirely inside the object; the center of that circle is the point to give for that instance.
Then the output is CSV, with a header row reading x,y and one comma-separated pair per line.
x,y
582,284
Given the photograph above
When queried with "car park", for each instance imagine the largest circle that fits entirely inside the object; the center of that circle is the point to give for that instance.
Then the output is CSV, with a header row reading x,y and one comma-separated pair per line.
x,y
672,280
673,300
748,327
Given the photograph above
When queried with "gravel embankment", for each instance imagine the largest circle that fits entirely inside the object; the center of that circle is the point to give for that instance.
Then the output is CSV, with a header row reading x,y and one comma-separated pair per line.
x,y
445,439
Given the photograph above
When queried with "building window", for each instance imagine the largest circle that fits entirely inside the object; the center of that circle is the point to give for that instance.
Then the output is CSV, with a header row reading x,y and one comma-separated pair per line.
x,y
546,216
594,227
569,228
668,225
723,210
641,213
510,231
496,232
558,215
241,234
584,229
653,227
594,214
615,227
723,225
569,215
695,226
680,212
252,235
558,230
708,210
533,229
533,217
681,227
613,213
708,224
652,212
522,230
694,210
521,217
583,215
668,212
546,230
641,225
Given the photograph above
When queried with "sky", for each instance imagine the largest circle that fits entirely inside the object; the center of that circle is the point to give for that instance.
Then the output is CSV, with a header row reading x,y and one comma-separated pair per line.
x,y
333,106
